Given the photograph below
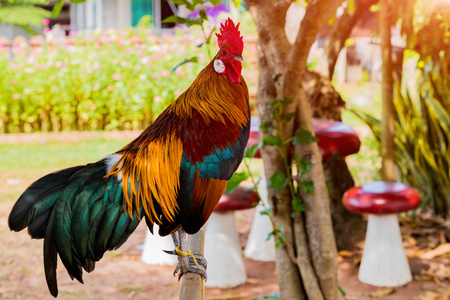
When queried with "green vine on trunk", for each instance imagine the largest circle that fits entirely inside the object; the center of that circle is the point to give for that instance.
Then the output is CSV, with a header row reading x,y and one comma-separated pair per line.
x,y
280,180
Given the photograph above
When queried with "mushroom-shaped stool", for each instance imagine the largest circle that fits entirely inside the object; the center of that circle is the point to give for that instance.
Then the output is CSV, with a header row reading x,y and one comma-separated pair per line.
x,y
222,247
334,137
384,262
154,244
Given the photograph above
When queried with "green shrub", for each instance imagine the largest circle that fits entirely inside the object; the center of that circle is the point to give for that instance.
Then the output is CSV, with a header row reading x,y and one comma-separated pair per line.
x,y
422,137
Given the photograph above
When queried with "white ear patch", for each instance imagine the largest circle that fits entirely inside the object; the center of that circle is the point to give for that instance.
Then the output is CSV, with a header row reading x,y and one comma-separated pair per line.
x,y
219,67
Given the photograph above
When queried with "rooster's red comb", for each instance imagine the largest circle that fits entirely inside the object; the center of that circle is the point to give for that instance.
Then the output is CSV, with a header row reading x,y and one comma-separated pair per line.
x,y
230,34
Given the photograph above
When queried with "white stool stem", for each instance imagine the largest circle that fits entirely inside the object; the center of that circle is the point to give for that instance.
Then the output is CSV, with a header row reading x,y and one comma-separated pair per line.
x,y
384,262
223,251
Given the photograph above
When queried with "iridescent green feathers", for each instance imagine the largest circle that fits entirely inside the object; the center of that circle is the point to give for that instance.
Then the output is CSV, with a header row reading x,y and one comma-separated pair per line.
x,y
80,215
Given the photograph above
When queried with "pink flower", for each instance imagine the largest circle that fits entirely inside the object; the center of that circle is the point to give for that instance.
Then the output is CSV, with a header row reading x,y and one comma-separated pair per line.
x,y
59,64
138,67
96,66
179,73
115,76
16,96
165,73
177,92
54,88
123,63
110,88
157,99
46,31
46,22
154,75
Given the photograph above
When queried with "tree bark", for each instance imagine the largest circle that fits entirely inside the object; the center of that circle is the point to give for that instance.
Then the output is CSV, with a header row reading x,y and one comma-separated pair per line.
x,y
341,31
290,283
387,86
308,257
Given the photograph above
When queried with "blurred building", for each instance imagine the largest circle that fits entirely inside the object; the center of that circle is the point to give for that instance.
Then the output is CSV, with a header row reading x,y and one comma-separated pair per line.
x,y
119,14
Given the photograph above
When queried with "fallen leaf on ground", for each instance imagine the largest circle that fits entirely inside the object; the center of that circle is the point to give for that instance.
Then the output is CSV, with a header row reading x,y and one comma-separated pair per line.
x,y
382,293
441,250
345,253
430,295
417,253
356,261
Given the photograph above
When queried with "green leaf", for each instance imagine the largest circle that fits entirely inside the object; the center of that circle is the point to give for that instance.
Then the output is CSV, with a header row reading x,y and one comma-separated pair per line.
x,y
278,181
195,2
193,59
279,103
187,21
288,117
276,78
303,137
215,2
186,3
272,140
280,241
235,181
251,151
236,3
266,126
267,211
308,186
303,165
175,19
202,14
57,9
343,293
297,205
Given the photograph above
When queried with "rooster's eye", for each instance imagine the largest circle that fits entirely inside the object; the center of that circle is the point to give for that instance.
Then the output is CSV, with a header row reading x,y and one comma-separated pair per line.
x,y
224,52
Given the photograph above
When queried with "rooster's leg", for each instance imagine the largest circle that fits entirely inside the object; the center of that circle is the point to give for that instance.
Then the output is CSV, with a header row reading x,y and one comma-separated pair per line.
x,y
186,263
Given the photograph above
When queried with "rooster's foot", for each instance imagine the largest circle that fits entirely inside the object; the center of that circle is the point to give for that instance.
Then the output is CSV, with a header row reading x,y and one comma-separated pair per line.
x,y
187,264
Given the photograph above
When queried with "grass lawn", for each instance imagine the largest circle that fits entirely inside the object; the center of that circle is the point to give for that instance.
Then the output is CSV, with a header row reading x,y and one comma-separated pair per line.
x,y
21,164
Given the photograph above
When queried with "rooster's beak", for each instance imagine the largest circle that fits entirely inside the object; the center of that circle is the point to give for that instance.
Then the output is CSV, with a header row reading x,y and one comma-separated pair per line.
x,y
238,58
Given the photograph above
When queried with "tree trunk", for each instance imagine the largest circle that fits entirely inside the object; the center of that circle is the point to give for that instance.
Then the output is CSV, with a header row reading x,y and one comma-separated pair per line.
x,y
288,274
387,86
326,103
342,29
307,261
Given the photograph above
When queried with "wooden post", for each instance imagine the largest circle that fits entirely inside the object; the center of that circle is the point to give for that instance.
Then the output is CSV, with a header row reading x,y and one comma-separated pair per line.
x,y
192,285
387,86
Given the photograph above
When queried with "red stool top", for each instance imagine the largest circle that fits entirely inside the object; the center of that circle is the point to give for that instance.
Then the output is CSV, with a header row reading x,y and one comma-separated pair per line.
x,y
237,199
334,136
381,197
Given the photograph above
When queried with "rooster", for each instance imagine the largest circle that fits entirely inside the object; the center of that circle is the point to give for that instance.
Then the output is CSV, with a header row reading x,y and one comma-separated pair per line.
x,y
173,174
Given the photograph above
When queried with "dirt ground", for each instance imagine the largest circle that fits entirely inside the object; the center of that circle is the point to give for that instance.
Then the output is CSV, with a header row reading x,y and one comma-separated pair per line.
x,y
122,275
